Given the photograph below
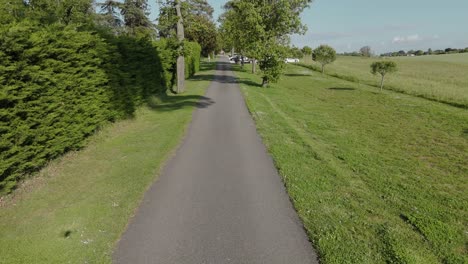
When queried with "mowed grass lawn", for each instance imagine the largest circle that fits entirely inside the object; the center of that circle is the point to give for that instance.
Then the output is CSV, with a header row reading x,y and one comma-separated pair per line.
x,y
438,77
375,177
76,208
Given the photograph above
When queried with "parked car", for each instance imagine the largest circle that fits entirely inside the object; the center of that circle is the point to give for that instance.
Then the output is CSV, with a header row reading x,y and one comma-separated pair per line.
x,y
238,58
291,60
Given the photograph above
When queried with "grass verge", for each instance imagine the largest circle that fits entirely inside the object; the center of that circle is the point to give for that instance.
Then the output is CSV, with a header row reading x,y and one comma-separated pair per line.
x,y
375,177
76,208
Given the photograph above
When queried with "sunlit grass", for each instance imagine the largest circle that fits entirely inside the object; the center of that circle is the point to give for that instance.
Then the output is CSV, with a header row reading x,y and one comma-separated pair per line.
x,y
375,177
438,77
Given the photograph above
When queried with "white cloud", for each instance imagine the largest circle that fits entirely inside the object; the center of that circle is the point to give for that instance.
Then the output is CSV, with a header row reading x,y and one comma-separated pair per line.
x,y
406,39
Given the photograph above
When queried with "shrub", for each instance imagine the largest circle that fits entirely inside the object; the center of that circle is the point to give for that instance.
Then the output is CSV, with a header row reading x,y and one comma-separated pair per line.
x,y
59,85
192,52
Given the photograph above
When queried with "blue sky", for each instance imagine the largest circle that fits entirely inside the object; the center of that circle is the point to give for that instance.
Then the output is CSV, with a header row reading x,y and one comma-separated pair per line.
x,y
387,25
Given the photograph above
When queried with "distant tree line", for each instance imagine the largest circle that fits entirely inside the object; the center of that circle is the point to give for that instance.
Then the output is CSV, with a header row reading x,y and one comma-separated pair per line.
x,y
365,52
422,53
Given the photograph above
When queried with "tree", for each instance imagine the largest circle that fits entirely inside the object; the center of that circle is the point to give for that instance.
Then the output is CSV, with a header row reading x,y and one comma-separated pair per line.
x,y
202,30
383,68
110,14
135,17
295,52
180,58
419,53
46,12
197,20
262,28
307,51
366,51
241,18
324,55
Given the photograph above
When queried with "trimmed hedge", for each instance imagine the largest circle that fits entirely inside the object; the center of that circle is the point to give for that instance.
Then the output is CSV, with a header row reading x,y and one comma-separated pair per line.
x,y
59,85
192,53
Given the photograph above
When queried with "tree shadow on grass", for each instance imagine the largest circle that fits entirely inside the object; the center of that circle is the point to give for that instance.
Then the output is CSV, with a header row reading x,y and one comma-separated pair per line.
x,y
165,103
342,89
297,74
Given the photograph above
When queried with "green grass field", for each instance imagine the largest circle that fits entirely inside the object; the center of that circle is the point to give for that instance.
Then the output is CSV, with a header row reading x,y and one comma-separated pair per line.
x,y
375,177
76,208
438,77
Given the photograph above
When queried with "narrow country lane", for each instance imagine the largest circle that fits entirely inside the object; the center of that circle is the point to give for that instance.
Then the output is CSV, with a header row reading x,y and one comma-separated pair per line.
x,y
220,198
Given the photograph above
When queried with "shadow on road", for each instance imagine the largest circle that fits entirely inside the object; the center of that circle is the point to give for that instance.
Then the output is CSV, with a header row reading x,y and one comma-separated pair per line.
x,y
226,66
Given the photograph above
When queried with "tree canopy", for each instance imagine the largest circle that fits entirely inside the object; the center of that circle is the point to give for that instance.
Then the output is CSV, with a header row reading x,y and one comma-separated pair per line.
x,y
324,55
382,68
197,19
306,50
261,29
366,51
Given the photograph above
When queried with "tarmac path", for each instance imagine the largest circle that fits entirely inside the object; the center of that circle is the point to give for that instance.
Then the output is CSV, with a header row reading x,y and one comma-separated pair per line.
x,y
220,198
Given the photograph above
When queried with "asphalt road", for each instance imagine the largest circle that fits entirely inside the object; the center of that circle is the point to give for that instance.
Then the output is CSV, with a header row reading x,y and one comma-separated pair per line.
x,y
220,198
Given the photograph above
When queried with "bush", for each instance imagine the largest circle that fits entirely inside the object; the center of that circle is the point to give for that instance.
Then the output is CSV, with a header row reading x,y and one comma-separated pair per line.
x,y
192,53
53,95
59,85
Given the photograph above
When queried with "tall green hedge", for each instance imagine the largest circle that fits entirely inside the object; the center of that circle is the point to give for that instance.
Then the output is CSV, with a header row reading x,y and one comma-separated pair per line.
x,y
59,85
192,58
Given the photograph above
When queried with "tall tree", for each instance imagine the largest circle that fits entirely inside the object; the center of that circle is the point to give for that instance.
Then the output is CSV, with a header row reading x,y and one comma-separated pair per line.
x,y
11,10
306,50
263,27
366,51
180,58
197,20
136,21
202,30
241,28
46,12
110,13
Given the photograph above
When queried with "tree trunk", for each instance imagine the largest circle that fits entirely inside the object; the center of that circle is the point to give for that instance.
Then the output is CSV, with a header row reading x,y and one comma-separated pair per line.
x,y
253,65
381,83
180,59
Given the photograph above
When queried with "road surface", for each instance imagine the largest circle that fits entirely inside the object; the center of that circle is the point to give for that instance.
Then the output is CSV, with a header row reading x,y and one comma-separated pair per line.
x,y
220,198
